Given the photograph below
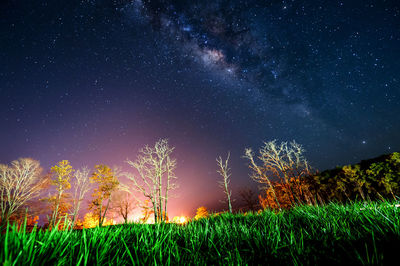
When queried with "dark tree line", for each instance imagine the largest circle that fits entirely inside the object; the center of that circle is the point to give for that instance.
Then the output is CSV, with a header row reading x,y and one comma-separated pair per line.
x,y
374,179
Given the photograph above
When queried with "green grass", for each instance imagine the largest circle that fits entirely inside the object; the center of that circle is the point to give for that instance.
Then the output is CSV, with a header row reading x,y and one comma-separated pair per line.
x,y
303,235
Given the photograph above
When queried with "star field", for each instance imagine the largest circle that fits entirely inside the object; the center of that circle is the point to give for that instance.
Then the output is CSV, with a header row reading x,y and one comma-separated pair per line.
x,y
93,81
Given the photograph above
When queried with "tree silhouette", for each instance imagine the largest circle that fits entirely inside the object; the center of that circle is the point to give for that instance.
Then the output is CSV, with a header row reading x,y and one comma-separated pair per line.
x,y
249,198
123,204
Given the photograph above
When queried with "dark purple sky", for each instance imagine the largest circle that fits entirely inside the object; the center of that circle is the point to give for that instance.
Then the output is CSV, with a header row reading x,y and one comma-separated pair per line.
x,y
94,81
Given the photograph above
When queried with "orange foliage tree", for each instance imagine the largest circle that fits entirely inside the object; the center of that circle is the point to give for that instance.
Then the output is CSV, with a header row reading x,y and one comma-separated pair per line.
x,y
62,206
91,220
107,182
62,173
146,211
201,212
21,217
284,165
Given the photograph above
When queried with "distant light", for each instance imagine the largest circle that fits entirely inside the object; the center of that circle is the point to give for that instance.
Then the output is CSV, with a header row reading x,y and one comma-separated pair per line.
x,y
180,219
364,142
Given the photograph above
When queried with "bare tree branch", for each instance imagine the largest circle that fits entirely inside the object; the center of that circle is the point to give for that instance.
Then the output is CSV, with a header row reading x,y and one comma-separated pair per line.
x,y
224,171
285,162
155,177
19,182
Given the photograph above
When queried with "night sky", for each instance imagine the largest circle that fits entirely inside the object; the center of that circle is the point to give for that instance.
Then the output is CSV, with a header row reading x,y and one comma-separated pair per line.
x,y
94,81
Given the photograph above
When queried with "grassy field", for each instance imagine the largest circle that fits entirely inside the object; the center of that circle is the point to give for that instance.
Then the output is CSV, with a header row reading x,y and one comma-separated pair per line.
x,y
356,233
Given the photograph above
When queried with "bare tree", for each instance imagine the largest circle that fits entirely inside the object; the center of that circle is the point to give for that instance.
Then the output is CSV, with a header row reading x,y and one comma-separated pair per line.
x,y
81,187
123,204
19,183
284,162
155,177
259,174
224,171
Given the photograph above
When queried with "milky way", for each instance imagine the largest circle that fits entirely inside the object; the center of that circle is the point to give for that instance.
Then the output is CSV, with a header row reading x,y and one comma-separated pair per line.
x,y
292,52
94,81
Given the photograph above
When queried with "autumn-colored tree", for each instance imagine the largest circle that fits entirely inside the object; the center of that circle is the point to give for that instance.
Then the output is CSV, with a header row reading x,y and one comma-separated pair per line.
x,y
62,173
282,194
201,212
25,220
282,162
224,171
78,224
62,206
164,216
81,187
156,174
19,183
259,173
146,211
91,220
107,182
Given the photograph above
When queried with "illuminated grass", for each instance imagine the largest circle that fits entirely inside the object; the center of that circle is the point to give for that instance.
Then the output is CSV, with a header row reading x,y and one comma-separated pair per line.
x,y
356,233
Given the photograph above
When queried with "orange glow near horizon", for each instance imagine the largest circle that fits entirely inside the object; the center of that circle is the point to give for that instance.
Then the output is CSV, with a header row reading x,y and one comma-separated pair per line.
x,y
180,219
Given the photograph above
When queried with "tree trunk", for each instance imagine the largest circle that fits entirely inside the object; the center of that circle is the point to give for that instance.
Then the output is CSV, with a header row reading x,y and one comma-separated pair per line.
x,y
75,214
320,199
105,211
391,192
4,221
273,192
126,213
100,210
228,195
361,192
165,203
167,187
161,216
154,210
56,209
